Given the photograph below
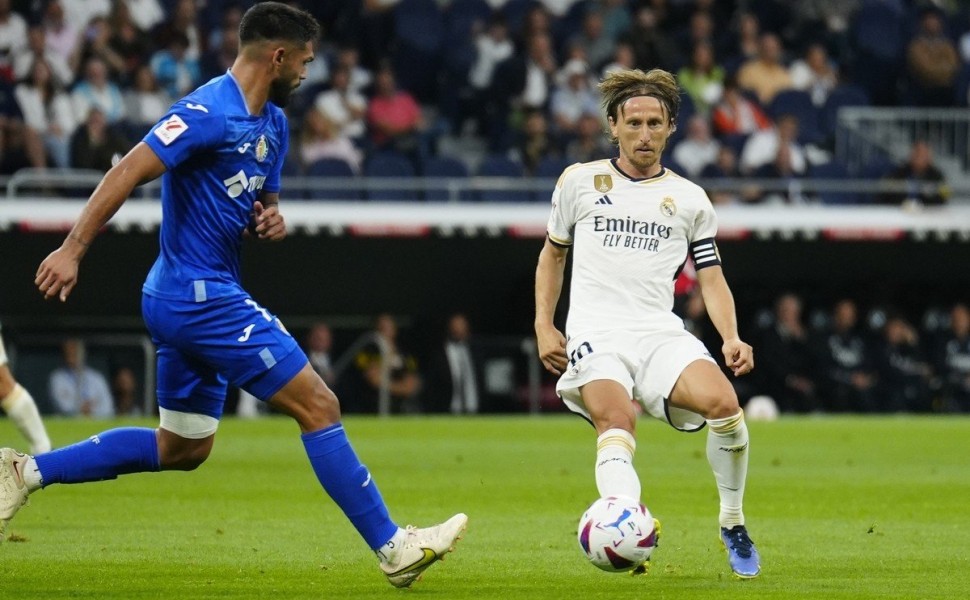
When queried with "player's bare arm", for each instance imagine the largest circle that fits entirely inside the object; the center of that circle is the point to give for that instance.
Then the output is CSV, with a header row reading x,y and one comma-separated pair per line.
x,y
738,356
549,276
267,220
57,274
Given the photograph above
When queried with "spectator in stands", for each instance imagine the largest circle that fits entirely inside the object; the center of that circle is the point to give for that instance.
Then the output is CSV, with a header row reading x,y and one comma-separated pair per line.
x,y
60,35
15,149
535,143
702,79
725,165
453,373
220,56
37,50
953,358
381,363
492,46
175,71
76,388
95,144
96,43
651,46
393,116
698,149
787,360
925,183
124,393
48,116
537,22
699,30
145,103
616,18
128,40
747,38
783,169
342,107
623,59
765,75
762,148
932,62
319,345
815,74
596,44
735,114
590,143
360,77
572,98
183,20
95,90
904,374
13,39
845,361
320,138
540,71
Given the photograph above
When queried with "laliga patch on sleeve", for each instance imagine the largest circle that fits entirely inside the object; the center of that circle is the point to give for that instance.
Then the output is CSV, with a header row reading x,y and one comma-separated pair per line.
x,y
170,129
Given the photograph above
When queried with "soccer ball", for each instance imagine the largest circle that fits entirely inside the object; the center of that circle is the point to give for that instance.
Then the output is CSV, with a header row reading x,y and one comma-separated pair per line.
x,y
617,534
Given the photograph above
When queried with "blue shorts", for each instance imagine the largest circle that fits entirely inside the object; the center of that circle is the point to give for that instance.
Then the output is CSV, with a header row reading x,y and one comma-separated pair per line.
x,y
203,346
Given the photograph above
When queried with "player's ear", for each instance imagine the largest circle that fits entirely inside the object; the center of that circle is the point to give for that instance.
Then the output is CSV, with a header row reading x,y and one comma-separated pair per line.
x,y
278,55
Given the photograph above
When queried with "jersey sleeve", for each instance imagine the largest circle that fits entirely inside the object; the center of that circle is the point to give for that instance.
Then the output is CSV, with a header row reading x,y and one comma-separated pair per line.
x,y
272,184
562,221
703,247
184,131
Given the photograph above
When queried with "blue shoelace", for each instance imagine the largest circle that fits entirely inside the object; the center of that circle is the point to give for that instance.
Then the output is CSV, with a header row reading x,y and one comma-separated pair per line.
x,y
740,542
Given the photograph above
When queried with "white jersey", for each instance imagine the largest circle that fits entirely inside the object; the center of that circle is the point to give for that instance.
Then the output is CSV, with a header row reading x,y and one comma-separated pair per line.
x,y
630,240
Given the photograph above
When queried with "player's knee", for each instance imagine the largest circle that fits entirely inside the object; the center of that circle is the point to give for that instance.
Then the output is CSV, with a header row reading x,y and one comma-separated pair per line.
x,y
185,458
322,407
722,404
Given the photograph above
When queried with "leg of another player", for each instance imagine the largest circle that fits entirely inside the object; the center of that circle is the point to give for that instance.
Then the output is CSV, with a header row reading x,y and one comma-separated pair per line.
x,y
611,410
403,553
22,410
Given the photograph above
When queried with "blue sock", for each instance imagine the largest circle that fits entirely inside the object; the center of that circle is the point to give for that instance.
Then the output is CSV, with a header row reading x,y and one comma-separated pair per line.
x,y
103,456
349,484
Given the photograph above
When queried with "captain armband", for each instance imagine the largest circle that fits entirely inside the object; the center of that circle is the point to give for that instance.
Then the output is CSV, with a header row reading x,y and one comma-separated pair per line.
x,y
705,254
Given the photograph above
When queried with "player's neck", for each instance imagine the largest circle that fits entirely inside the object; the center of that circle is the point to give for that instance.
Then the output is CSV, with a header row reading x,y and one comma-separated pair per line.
x,y
254,83
641,172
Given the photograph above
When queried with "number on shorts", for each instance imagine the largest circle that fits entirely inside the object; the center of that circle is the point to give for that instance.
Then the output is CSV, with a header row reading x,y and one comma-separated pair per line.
x,y
578,353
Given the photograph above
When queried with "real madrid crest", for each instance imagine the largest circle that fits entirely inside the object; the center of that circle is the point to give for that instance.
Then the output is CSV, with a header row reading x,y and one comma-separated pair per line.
x,y
668,207
603,183
262,148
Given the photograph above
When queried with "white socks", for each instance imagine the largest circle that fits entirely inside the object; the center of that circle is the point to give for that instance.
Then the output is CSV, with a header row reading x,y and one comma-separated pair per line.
x,y
727,451
20,407
388,552
615,475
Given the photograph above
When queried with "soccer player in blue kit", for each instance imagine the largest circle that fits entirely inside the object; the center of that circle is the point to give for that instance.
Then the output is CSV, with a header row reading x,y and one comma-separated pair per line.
x,y
219,151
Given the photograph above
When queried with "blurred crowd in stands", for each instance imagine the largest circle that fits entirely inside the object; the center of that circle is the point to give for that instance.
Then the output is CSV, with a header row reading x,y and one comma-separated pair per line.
x,y
405,87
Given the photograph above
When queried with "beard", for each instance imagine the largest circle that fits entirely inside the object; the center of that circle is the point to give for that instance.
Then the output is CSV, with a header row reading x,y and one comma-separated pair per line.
x,y
280,91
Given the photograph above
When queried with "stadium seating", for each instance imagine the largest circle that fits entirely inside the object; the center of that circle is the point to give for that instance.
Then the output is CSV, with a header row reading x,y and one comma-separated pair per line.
x,y
843,95
442,167
501,166
328,168
799,104
832,170
389,164
418,29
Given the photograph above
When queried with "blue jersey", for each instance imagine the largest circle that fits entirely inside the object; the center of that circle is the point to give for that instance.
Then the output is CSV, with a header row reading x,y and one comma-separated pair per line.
x,y
219,158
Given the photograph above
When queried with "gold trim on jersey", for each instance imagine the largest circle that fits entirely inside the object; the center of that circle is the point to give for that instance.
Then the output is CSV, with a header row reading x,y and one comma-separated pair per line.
x,y
558,241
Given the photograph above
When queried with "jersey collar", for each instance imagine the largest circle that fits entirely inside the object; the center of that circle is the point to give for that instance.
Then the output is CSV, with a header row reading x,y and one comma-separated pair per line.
x,y
663,173
242,96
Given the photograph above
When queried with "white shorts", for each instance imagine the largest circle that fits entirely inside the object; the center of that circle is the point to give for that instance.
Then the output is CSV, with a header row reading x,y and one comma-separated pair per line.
x,y
646,364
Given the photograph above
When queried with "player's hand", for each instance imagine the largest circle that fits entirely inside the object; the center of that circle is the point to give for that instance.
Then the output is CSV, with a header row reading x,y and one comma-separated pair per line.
x,y
552,349
57,275
738,356
269,222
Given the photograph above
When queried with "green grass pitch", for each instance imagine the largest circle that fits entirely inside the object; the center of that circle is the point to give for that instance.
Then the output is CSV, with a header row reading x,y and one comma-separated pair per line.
x,y
839,507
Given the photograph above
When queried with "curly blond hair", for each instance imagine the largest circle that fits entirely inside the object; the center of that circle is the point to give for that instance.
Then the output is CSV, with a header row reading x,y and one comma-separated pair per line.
x,y
620,86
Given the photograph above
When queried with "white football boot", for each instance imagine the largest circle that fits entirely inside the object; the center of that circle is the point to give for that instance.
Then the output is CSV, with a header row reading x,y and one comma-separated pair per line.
x,y
421,549
13,489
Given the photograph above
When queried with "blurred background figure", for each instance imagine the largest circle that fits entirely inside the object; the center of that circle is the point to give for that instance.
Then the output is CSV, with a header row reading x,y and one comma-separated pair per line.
x,y
77,389
453,372
904,374
385,367
925,182
788,369
953,356
124,392
845,363
319,345
21,408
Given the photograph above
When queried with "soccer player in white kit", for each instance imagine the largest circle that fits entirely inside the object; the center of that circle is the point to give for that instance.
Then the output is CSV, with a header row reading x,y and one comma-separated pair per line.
x,y
632,225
